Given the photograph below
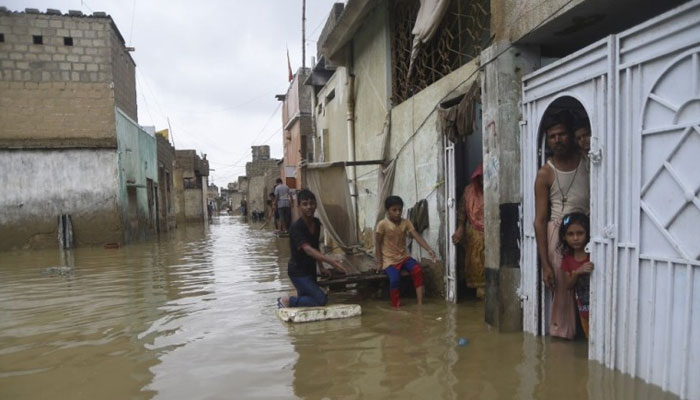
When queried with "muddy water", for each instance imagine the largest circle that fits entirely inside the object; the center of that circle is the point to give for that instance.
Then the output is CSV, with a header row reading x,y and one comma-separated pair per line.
x,y
192,317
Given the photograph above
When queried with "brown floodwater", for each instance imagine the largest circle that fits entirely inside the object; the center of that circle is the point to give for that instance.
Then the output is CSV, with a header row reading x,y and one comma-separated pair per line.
x,y
192,316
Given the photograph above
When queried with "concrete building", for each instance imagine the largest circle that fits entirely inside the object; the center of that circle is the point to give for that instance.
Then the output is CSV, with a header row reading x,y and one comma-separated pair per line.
x,y
297,128
69,138
166,193
369,110
262,173
631,67
191,183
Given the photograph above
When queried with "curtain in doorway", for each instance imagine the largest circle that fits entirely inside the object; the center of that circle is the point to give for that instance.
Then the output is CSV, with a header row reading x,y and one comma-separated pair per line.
x,y
335,210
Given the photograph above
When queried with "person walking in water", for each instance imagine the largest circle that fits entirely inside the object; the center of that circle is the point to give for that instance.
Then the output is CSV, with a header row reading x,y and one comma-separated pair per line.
x,y
304,236
391,253
283,201
561,187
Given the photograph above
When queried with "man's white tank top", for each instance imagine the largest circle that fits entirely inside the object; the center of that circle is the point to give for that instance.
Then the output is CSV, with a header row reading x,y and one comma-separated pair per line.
x,y
570,191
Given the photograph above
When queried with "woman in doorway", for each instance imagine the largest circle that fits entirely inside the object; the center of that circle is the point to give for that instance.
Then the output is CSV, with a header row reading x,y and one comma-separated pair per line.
x,y
470,221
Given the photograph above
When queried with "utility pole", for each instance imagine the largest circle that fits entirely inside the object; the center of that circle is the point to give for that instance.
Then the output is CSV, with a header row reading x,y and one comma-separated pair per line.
x,y
303,34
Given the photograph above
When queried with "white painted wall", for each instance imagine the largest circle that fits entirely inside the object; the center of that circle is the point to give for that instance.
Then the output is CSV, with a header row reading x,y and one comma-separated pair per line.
x,y
39,185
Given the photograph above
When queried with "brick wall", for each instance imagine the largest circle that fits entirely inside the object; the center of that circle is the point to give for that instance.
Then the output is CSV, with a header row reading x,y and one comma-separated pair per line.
x,y
59,93
260,167
124,75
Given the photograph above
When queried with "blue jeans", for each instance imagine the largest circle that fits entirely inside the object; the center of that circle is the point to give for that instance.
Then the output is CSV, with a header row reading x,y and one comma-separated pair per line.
x,y
309,294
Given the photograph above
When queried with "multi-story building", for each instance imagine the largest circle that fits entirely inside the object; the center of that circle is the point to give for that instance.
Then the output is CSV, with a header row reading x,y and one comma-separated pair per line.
x,y
297,127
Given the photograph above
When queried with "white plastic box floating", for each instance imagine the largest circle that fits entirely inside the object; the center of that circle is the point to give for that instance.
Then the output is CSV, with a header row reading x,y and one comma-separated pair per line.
x,y
310,314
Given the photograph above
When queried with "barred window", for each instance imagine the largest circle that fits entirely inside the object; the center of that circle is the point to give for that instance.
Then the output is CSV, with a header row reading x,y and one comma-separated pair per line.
x,y
463,33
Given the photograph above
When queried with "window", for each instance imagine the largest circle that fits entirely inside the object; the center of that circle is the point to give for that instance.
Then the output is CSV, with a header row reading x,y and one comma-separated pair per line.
x,y
68,41
2,37
330,96
38,39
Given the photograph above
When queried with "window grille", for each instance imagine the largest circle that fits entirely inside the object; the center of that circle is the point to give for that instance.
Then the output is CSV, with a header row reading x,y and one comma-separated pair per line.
x,y
463,33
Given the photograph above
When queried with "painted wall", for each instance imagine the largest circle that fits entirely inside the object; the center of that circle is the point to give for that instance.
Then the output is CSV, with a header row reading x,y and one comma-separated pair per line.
x,y
418,145
137,164
42,184
372,91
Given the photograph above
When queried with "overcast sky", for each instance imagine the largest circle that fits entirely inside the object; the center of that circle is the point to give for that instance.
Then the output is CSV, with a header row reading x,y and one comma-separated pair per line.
x,y
212,67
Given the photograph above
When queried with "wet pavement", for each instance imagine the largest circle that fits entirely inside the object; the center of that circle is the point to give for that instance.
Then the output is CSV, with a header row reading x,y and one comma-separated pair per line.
x,y
191,316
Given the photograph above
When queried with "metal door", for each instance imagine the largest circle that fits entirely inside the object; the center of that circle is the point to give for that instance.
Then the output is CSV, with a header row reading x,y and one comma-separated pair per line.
x,y
451,211
585,77
656,285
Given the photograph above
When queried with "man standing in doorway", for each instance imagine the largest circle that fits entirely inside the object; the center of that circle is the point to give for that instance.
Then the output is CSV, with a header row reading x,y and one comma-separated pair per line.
x,y
561,187
282,199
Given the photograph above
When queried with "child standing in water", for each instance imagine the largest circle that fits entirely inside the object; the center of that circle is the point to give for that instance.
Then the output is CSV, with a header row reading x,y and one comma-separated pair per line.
x,y
574,234
391,253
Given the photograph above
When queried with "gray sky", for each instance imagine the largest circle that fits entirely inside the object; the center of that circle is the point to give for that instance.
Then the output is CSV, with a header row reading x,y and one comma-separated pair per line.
x,y
212,67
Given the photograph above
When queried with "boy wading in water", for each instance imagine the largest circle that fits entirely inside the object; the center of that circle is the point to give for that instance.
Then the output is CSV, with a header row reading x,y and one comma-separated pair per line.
x,y
304,237
392,255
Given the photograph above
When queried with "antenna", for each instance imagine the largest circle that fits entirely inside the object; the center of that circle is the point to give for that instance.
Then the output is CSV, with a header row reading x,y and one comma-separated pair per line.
x,y
171,131
303,35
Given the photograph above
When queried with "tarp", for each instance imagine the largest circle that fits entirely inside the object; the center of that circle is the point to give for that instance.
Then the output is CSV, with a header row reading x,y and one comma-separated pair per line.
x,y
335,208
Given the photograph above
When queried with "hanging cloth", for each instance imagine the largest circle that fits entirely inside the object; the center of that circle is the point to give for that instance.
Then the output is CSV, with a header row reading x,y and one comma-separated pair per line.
x,y
428,20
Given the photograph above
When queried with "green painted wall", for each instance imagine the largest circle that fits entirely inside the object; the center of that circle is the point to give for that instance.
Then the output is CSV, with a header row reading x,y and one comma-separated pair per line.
x,y
137,158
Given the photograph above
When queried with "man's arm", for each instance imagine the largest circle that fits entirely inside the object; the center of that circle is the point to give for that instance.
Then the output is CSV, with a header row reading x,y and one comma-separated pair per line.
x,y
542,183
318,256
378,239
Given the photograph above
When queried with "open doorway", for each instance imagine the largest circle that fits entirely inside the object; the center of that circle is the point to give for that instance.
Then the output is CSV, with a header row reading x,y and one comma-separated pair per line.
x,y
468,159
464,235
563,144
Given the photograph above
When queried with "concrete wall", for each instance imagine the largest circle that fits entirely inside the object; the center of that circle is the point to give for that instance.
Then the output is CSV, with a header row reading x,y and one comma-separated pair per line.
x,y
372,91
193,211
166,190
190,201
137,165
512,19
330,117
257,192
42,184
417,144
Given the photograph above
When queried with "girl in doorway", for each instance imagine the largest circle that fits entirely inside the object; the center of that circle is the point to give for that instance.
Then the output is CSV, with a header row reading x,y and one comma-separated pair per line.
x,y
574,234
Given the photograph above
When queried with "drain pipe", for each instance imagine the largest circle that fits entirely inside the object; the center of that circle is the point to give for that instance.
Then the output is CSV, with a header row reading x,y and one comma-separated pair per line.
x,y
350,118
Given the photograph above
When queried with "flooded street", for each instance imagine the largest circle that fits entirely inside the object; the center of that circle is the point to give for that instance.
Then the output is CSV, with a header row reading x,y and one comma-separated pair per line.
x,y
192,317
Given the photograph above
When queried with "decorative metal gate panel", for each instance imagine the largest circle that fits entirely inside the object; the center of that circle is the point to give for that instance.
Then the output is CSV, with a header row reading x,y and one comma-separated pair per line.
x,y
657,203
645,196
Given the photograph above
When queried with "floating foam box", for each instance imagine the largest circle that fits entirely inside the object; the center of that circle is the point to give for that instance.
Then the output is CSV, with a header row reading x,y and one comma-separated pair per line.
x,y
310,314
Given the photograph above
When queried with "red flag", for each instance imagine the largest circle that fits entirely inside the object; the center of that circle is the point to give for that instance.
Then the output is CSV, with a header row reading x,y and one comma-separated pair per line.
x,y
289,67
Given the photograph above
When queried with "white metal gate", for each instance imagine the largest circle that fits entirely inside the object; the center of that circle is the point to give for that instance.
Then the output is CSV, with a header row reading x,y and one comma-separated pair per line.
x,y
585,77
451,223
644,107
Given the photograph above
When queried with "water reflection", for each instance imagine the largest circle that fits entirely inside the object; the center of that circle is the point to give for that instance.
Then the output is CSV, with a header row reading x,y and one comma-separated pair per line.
x,y
192,316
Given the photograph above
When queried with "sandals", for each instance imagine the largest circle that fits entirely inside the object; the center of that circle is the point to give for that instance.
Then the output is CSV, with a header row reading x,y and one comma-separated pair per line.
x,y
281,303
